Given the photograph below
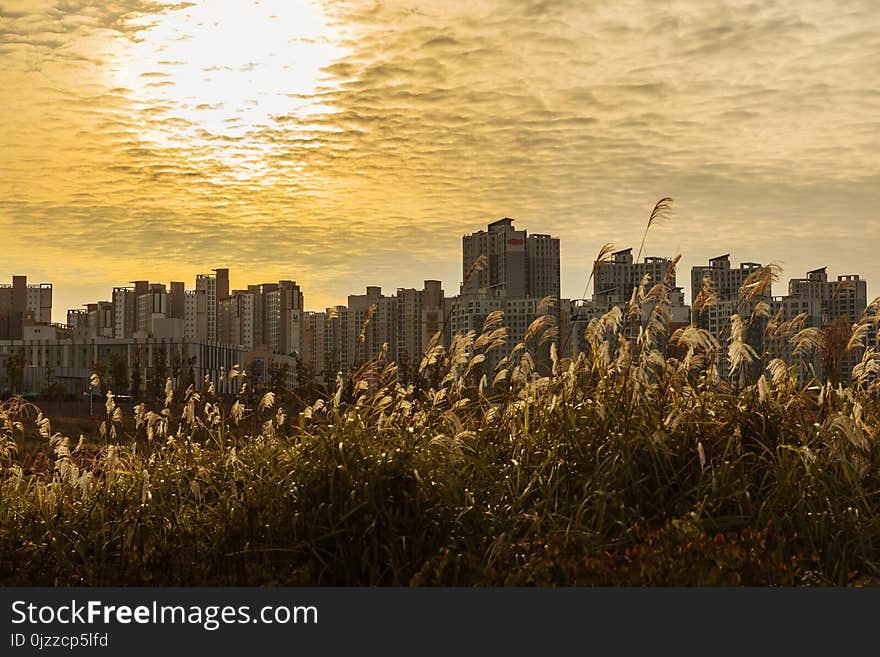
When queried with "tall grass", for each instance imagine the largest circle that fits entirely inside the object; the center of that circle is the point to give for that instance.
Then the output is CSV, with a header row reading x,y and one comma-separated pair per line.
x,y
626,465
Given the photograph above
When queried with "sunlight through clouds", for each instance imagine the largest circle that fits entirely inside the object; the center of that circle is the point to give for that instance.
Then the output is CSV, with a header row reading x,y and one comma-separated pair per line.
x,y
353,142
223,70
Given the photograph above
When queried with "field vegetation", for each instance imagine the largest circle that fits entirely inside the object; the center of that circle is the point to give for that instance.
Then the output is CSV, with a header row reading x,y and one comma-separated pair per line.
x,y
639,462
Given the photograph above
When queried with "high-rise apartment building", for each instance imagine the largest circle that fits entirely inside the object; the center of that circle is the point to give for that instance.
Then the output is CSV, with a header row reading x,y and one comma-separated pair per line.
x,y
521,270
846,298
195,315
420,314
256,292
824,303
314,344
518,264
125,308
177,300
363,338
505,250
96,320
216,288
236,319
22,304
14,296
207,283
724,279
542,259
152,304
39,301
282,307
336,344
125,312
221,276
468,312
616,279
716,317
344,338
613,285
290,318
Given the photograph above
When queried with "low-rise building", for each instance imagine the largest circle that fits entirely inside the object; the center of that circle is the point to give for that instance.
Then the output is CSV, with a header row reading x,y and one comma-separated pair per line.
x,y
51,353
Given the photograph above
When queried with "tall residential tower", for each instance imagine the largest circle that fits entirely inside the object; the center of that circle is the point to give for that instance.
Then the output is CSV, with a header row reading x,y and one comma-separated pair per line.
x,y
518,264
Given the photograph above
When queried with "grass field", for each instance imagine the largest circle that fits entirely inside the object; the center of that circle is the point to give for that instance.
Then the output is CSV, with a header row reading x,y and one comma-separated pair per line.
x,y
622,467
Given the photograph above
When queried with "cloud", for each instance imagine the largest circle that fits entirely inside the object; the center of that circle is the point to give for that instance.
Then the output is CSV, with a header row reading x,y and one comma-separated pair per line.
x,y
430,120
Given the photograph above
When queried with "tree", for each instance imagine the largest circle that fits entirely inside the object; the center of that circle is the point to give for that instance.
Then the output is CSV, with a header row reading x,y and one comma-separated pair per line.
x,y
408,371
136,374
190,379
118,372
15,365
52,390
101,371
176,368
278,377
307,386
160,373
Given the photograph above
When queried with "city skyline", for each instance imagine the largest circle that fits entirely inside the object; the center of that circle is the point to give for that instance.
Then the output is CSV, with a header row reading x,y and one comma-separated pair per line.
x,y
354,143
507,275
685,283
242,281
510,279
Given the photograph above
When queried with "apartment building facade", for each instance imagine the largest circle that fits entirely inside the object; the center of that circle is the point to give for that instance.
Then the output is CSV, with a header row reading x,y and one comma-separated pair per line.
x,y
518,264
216,289
833,306
23,304
420,315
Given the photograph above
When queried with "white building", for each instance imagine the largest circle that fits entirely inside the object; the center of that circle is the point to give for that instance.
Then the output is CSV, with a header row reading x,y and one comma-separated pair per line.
x,y
616,279
420,315
236,319
725,280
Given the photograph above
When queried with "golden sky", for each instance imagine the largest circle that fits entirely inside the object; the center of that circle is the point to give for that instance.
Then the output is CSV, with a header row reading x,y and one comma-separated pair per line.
x,y
343,144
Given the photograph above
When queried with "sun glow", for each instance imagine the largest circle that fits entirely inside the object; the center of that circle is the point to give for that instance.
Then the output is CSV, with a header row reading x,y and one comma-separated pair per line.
x,y
220,70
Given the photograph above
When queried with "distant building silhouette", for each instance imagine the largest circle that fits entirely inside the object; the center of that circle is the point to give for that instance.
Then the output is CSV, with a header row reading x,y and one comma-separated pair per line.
x,y
23,305
265,326
518,264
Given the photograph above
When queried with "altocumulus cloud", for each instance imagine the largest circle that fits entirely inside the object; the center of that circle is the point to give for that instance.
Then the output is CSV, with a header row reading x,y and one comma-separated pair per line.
x,y
428,120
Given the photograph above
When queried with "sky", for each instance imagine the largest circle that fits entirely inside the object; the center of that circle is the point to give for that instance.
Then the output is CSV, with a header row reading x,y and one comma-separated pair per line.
x,y
344,144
